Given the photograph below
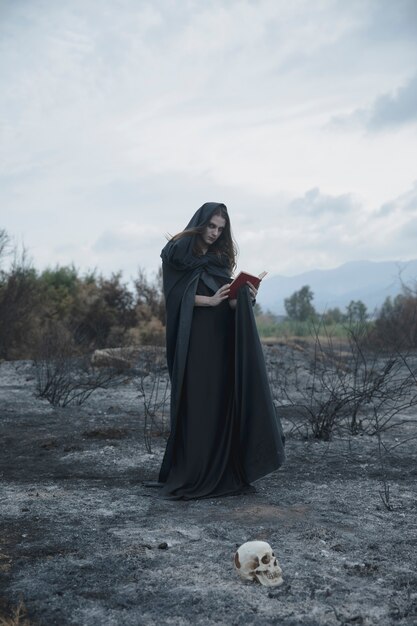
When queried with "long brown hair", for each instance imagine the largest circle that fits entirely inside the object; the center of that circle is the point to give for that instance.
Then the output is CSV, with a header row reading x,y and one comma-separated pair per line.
x,y
224,246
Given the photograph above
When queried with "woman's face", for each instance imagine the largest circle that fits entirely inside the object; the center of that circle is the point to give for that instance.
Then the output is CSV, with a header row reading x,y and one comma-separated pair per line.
x,y
213,230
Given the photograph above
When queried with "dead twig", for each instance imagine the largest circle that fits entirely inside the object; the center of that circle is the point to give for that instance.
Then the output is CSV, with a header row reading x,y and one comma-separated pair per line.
x,y
17,617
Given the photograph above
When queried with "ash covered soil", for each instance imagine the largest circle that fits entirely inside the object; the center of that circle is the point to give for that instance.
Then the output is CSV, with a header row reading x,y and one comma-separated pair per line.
x,y
84,542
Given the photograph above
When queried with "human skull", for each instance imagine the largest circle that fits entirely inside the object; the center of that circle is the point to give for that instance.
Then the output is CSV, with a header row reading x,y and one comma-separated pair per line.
x,y
255,560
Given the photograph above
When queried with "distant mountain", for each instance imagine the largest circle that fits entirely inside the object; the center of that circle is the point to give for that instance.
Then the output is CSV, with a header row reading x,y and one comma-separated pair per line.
x,y
368,281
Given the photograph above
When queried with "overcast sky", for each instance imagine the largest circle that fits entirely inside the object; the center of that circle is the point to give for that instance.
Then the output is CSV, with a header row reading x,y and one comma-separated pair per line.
x,y
119,118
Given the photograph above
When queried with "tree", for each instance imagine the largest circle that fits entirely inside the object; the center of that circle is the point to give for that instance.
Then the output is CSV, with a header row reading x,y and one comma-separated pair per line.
x,y
298,306
59,287
4,243
333,316
356,311
149,297
396,324
103,312
19,304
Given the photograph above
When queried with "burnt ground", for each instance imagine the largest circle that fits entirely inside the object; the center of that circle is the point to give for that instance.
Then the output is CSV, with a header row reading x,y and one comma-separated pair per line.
x,y
84,542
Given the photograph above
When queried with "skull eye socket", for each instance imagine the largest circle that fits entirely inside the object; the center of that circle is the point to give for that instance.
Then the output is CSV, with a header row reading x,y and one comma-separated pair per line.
x,y
265,559
272,553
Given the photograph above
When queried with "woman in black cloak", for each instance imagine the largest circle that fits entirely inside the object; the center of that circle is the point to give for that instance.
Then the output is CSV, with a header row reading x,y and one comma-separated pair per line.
x,y
224,429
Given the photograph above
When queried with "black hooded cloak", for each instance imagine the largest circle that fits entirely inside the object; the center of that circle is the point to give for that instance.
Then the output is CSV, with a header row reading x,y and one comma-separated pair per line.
x,y
232,376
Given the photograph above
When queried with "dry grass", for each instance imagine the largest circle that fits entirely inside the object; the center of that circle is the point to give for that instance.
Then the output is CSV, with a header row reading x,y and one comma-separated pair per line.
x,y
17,617
106,433
5,562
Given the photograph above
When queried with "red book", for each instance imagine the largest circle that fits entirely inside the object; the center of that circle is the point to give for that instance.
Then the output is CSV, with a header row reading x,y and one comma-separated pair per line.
x,y
241,279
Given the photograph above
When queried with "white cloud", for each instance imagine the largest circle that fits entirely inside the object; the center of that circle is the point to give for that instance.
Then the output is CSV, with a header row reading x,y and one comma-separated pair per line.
x,y
315,203
389,111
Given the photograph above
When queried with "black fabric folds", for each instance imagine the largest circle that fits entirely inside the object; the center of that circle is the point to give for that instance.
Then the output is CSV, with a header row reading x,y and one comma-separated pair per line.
x,y
261,439
181,270
258,440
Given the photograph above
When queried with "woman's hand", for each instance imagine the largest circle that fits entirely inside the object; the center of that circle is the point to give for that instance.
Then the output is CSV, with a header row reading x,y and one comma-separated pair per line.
x,y
220,295
252,291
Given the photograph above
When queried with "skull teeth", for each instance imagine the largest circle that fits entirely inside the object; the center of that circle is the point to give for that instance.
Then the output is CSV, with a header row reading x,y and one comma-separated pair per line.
x,y
270,575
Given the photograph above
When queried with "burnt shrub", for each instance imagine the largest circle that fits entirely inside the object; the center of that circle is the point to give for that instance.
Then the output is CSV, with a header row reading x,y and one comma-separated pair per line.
x,y
64,374
343,386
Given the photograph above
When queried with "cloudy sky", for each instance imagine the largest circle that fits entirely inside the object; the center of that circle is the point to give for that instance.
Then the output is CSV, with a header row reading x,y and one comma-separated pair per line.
x,y
119,118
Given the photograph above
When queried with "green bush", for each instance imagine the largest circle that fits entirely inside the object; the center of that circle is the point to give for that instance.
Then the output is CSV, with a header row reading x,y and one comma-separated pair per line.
x,y
96,311
291,328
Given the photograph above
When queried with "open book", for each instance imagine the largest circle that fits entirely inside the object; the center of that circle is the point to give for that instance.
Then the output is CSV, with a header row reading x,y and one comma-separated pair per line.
x,y
241,279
